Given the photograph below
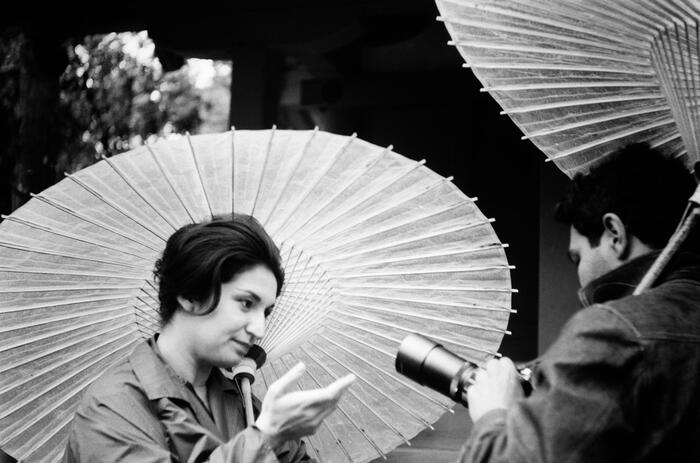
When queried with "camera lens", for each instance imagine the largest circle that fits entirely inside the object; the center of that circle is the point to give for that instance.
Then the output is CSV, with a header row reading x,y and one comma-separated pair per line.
x,y
430,364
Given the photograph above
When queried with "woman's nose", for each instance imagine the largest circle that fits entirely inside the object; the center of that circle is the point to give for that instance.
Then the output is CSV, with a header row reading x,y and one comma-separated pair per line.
x,y
256,325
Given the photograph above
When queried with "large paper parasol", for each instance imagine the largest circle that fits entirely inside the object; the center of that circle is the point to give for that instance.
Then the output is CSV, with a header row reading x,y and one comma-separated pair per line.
x,y
375,246
581,78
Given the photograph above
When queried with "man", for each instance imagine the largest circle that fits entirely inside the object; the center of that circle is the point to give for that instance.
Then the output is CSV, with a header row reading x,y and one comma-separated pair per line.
x,y
622,381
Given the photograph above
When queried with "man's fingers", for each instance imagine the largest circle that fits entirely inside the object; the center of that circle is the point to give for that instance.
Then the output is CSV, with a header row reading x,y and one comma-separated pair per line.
x,y
285,381
492,365
496,367
479,375
471,393
507,363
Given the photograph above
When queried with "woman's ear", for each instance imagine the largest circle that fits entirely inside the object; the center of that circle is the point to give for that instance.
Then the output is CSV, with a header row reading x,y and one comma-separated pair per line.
x,y
188,305
616,234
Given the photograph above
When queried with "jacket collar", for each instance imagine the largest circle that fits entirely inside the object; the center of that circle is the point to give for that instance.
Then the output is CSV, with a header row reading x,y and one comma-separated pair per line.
x,y
159,380
620,282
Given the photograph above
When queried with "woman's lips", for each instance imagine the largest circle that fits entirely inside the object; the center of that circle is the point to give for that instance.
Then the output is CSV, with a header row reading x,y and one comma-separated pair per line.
x,y
245,346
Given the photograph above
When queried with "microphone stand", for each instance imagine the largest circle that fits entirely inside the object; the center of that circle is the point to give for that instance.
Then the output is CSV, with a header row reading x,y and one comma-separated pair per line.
x,y
244,375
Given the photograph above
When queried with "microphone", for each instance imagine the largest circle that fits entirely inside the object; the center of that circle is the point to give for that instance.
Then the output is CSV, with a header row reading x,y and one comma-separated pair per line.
x,y
244,374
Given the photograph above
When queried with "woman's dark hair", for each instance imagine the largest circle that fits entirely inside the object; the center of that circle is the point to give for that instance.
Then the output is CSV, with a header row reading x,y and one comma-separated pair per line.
x,y
199,258
647,190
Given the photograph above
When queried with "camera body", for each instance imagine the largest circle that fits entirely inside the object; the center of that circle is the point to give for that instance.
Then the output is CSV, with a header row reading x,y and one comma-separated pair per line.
x,y
429,364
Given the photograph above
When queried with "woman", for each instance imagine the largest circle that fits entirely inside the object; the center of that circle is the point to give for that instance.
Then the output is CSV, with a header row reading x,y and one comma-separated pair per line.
x,y
168,401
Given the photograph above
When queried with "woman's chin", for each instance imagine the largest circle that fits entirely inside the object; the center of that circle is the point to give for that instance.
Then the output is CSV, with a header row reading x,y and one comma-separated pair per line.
x,y
229,361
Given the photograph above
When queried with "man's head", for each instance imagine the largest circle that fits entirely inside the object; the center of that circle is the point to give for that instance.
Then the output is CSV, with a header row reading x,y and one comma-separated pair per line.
x,y
199,258
624,207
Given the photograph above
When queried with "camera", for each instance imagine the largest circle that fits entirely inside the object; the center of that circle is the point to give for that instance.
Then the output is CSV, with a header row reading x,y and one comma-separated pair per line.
x,y
429,364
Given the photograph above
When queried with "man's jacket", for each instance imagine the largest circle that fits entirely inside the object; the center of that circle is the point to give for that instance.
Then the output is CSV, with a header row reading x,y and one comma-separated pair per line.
x,y
620,384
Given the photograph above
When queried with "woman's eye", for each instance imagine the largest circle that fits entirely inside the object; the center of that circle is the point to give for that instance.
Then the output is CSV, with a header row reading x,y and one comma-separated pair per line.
x,y
247,304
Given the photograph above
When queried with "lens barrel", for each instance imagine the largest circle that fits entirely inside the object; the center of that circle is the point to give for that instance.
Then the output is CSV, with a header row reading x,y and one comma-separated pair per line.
x,y
430,364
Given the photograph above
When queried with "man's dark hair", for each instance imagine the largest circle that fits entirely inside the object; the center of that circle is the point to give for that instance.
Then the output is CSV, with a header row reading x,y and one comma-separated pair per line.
x,y
648,191
199,258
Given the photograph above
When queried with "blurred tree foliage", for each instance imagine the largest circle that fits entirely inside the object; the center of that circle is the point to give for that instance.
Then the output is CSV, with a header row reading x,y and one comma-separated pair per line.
x,y
114,96
31,64
110,95
11,42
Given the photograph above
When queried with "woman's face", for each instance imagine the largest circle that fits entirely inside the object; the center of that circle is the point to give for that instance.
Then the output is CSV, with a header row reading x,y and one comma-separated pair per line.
x,y
222,337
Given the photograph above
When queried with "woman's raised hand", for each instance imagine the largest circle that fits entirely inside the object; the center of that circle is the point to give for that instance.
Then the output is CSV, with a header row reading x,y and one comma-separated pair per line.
x,y
288,415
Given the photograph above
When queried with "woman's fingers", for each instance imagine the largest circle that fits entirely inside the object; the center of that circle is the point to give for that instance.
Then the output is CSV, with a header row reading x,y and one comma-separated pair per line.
x,y
323,397
339,386
288,415
333,390
285,381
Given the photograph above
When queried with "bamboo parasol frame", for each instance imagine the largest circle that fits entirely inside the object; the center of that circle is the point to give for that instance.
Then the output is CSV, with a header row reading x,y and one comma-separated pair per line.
x,y
581,78
374,245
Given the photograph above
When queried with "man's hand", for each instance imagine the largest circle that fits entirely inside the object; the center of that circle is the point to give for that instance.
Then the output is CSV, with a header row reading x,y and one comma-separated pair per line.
x,y
290,415
495,386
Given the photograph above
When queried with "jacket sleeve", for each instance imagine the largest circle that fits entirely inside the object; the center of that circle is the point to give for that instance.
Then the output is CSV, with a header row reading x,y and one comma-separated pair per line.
x,y
582,407
105,433
100,433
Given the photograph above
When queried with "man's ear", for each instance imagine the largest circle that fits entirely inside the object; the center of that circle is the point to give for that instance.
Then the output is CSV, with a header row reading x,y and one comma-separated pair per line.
x,y
188,305
616,232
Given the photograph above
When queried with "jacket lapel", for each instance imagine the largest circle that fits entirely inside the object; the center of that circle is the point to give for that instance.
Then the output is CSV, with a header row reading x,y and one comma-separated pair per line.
x,y
227,408
159,381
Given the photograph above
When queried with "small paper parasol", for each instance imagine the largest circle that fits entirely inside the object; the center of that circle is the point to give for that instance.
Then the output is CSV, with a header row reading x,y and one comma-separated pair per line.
x,y
581,78
375,246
